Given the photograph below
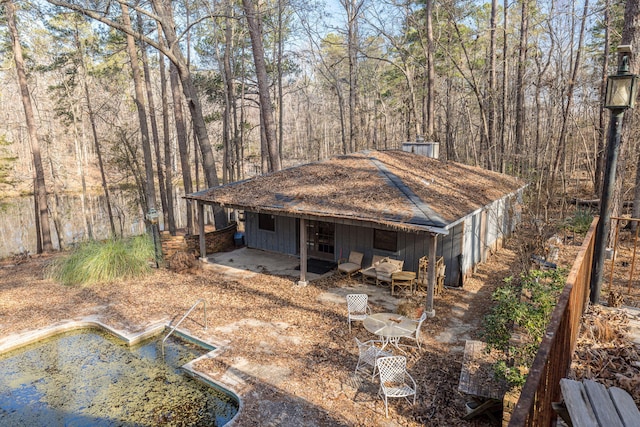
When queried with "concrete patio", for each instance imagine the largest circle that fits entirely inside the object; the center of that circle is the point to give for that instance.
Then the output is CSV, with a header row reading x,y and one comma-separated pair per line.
x,y
246,262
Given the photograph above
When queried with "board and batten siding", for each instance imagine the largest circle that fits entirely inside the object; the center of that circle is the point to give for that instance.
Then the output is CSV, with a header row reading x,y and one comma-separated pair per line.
x,y
410,246
284,239
485,230
470,240
450,248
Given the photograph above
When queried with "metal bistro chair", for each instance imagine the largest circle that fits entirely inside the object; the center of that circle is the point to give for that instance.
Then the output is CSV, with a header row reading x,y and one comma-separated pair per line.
x,y
416,335
368,353
357,307
395,381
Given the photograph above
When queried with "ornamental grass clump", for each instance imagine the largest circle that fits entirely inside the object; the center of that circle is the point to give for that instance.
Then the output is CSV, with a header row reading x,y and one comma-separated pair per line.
x,y
102,262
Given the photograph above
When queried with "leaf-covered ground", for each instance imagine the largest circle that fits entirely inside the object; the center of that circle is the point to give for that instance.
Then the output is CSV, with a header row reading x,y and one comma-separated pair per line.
x,y
286,350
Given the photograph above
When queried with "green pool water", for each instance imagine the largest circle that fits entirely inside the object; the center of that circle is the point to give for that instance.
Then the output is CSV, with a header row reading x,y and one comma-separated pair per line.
x,y
88,378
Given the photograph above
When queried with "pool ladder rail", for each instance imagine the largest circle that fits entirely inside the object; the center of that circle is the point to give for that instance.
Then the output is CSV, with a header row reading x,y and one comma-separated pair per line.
x,y
204,304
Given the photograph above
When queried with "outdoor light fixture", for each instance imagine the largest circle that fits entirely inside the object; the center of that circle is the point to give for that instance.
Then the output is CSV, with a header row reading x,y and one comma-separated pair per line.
x,y
622,89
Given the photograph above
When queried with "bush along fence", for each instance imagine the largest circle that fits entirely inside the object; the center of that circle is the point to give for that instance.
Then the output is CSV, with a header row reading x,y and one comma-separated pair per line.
x,y
552,361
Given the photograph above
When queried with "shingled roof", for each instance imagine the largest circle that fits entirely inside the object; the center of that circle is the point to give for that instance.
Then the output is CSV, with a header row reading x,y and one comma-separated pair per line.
x,y
395,188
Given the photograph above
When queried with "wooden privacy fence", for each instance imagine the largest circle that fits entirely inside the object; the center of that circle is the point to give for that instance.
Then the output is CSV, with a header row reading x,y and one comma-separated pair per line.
x,y
554,355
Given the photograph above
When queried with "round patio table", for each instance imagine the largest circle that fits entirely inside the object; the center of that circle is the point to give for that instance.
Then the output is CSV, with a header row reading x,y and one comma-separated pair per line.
x,y
390,327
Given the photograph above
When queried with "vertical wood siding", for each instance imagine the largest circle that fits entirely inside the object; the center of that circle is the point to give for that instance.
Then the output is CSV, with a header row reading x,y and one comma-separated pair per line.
x,y
468,243
283,239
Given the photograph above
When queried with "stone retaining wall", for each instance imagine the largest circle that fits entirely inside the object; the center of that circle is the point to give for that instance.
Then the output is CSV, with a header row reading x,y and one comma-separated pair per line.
x,y
216,241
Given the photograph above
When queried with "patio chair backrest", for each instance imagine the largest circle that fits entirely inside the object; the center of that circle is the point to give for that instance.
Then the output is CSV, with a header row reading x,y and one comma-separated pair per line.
x,y
420,321
357,303
377,259
367,352
392,369
356,257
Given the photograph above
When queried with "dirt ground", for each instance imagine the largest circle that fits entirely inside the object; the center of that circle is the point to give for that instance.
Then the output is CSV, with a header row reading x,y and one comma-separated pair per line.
x,y
286,350
621,274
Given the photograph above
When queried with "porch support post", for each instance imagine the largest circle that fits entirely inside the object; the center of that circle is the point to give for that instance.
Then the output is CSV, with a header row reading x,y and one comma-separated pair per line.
x,y
203,243
303,253
431,274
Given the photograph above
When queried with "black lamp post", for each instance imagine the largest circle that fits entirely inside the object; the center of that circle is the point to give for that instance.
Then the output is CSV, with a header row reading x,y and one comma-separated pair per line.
x,y
622,89
152,217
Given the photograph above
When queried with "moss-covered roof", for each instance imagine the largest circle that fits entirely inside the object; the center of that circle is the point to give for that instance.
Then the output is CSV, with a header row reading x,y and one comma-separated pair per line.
x,y
395,188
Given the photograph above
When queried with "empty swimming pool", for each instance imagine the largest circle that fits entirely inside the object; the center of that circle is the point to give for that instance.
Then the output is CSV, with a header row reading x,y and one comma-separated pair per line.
x,y
89,378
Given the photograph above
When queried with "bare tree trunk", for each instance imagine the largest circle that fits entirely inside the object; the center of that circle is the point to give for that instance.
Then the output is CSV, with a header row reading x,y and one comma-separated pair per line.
x,y
36,208
520,109
561,150
503,98
94,134
181,136
150,188
226,119
241,128
164,13
353,9
154,127
602,120
280,38
431,74
475,86
168,168
343,127
229,130
80,163
163,8
40,189
266,110
491,98
264,149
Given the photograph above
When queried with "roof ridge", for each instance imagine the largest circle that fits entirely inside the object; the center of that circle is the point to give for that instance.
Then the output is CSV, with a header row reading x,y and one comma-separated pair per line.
x,y
425,214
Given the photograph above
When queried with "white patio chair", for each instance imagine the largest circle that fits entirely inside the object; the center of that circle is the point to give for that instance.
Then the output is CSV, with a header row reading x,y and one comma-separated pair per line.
x,y
416,335
368,353
357,307
395,381
352,265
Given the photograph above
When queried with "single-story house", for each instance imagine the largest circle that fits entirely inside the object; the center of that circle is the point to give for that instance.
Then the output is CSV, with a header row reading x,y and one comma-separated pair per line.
x,y
392,203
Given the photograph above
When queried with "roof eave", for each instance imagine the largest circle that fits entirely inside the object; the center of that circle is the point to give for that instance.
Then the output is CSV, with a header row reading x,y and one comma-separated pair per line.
x,y
316,215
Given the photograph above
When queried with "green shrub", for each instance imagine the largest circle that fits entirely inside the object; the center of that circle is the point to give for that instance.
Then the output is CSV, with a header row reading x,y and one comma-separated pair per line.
x,y
95,262
580,222
525,307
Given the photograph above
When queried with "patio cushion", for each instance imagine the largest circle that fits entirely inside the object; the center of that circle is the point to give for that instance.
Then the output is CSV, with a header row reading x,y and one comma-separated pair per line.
x,y
349,267
386,268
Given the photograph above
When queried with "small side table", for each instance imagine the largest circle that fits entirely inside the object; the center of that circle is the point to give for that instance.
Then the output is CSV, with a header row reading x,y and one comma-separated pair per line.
x,y
403,279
